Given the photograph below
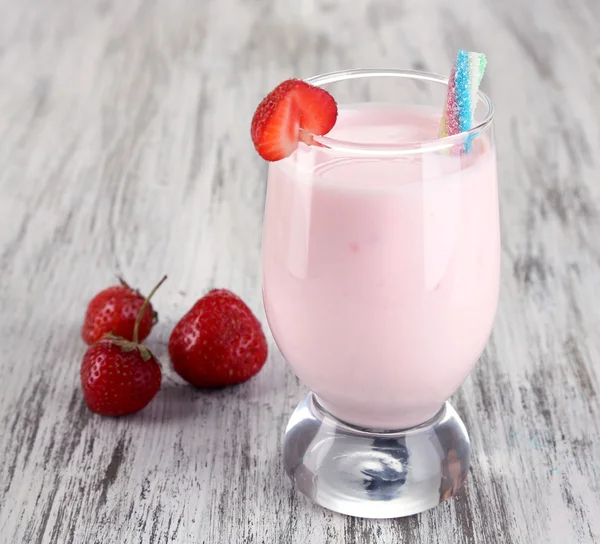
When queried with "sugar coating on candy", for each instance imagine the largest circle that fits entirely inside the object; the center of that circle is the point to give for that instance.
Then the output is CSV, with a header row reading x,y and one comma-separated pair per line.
x,y
462,81
450,119
461,97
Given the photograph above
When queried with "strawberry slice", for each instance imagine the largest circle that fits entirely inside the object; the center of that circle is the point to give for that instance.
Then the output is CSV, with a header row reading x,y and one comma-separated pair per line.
x,y
290,113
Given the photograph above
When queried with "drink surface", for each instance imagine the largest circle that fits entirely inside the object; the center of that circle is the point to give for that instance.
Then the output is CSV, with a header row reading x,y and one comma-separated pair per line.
x,y
381,274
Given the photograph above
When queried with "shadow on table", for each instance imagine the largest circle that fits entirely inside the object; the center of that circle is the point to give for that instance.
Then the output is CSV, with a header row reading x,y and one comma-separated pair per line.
x,y
180,402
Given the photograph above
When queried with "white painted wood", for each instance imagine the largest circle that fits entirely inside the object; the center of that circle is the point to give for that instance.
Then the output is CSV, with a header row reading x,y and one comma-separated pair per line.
x,y
124,148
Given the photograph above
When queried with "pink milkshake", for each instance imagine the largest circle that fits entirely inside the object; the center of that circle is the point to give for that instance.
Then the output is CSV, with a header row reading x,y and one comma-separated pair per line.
x,y
381,273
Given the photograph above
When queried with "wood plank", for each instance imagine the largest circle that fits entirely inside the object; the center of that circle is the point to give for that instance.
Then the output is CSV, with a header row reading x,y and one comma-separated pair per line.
x,y
125,149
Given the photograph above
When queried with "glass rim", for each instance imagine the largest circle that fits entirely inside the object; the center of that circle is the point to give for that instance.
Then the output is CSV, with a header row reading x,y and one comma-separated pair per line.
x,y
391,150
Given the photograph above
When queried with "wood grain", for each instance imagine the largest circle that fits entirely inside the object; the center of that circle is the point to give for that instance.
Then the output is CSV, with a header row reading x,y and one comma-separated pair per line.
x,y
125,149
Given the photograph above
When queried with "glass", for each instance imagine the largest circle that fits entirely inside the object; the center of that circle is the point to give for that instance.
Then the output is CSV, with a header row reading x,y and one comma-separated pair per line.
x,y
381,264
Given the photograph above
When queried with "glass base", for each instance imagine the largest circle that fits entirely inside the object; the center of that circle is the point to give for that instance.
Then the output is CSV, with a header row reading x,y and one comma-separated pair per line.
x,y
375,474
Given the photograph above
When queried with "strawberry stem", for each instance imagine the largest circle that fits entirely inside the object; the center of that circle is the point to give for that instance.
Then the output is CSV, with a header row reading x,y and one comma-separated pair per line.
x,y
123,283
136,328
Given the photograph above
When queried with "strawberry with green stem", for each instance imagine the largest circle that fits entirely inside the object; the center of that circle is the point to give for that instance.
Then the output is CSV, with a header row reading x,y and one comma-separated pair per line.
x,y
115,310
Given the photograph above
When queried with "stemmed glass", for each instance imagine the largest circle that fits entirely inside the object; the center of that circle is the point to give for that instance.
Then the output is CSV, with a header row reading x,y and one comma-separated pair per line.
x,y
381,259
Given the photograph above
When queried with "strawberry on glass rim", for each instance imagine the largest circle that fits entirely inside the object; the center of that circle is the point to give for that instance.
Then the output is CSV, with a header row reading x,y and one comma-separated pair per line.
x,y
291,113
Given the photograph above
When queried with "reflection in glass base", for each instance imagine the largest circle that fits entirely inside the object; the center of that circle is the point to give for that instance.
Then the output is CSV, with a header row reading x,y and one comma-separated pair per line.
x,y
375,474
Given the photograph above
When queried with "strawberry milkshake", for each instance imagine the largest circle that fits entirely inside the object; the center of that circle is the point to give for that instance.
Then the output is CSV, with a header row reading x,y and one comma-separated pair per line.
x,y
381,259
381,274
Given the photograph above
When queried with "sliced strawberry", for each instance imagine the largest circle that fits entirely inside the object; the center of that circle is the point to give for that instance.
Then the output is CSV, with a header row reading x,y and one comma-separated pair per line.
x,y
290,113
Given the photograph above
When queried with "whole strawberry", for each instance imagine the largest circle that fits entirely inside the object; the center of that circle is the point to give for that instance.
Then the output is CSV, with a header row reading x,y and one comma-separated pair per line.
x,y
115,311
119,376
218,342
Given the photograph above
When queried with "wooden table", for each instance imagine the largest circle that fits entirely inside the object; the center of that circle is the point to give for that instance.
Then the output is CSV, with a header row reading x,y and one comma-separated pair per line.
x,y
125,149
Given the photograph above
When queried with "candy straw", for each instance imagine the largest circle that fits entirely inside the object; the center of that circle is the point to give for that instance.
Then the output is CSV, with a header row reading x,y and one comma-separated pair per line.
x,y
461,99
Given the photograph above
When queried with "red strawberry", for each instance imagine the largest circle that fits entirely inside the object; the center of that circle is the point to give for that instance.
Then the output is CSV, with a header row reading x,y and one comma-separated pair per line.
x,y
119,376
218,342
290,113
115,310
